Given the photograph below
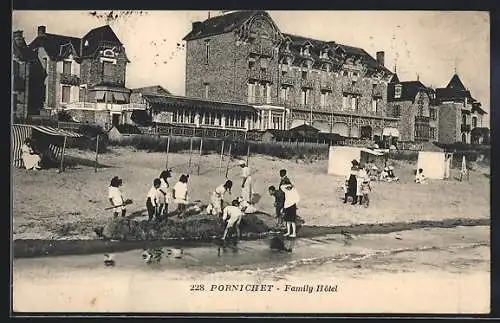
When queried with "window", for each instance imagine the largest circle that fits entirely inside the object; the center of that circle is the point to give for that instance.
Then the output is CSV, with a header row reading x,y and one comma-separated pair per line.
x,y
207,52
464,119
107,68
345,73
174,117
65,94
374,105
397,91
432,133
263,63
277,122
180,116
345,100
323,99
67,67
305,96
207,89
44,63
432,114
219,119
251,64
420,109
304,75
251,93
354,103
284,93
206,118
422,131
192,116
474,122
396,112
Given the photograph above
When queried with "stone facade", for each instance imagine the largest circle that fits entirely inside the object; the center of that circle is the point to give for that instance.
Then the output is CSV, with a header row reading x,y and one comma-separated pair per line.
x,y
449,125
257,64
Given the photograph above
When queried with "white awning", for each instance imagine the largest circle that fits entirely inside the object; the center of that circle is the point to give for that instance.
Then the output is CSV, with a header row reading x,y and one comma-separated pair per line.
x,y
99,95
119,96
390,132
372,152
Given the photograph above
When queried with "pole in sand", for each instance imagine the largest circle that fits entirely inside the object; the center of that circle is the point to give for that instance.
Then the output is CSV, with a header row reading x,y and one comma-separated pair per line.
x,y
168,149
201,152
190,153
228,160
221,157
96,153
248,153
61,166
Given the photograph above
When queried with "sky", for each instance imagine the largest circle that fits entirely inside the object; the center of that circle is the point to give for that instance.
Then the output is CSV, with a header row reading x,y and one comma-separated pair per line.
x,y
430,45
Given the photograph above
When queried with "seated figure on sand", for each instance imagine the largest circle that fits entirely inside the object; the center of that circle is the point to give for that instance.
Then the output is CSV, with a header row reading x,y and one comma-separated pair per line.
x,y
420,177
31,160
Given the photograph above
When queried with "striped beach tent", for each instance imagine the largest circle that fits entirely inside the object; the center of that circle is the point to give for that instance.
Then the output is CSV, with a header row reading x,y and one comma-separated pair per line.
x,y
50,137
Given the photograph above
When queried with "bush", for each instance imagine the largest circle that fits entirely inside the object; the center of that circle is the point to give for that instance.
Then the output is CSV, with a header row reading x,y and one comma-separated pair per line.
x,y
213,145
128,129
89,139
407,155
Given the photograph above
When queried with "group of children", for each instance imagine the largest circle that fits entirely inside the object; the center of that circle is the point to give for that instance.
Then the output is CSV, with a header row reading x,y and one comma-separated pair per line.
x,y
357,185
160,196
286,198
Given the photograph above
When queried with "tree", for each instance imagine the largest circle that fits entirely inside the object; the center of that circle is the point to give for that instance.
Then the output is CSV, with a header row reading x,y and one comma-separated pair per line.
x,y
480,135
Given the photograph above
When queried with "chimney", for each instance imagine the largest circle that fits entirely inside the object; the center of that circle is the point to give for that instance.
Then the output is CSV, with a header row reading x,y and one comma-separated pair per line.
x,y
381,58
18,38
41,30
197,25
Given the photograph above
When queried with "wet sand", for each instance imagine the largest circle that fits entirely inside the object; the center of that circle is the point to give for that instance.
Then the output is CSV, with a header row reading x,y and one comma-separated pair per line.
x,y
417,271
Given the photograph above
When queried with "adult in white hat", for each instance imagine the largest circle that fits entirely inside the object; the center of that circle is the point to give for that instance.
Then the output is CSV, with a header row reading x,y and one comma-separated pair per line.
x,y
246,184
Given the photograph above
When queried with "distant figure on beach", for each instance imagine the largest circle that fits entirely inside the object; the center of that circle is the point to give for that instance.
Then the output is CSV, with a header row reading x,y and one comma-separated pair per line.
x,y
352,183
366,188
180,193
290,209
246,184
361,176
232,215
391,177
153,198
420,177
115,196
164,189
217,198
31,159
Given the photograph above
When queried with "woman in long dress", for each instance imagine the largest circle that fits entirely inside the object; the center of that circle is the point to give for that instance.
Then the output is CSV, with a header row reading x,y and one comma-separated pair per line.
x,y
246,185
31,160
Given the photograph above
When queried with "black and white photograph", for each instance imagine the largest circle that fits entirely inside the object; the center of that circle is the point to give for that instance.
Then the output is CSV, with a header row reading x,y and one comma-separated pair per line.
x,y
250,161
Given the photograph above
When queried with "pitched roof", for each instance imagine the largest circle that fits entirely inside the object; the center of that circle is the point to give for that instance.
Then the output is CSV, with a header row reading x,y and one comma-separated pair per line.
x,y
21,51
409,90
155,89
180,101
55,44
93,39
220,24
318,45
305,127
456,83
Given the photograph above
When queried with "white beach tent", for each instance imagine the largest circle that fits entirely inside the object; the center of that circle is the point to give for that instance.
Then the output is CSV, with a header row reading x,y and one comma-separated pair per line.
x,y
340,157
436,165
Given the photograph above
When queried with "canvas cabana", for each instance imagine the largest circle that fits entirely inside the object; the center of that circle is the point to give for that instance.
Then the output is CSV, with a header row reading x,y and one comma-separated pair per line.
x,y
340,157
51,141
436,165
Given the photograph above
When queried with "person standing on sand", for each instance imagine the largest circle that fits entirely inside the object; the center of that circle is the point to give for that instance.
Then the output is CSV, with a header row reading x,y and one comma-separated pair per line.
x,y
290,209
279,204
115,196
180,193
361,176
217,198
352,183
165,190
246,184
153,200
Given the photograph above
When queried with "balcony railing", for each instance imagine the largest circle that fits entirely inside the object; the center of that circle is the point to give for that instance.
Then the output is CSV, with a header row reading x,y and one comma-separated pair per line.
x,y
307,83
81,105
351,89
264,51
327,86
260,75
112,80
465,128
422,119
134,106
286,80
261,100
69,79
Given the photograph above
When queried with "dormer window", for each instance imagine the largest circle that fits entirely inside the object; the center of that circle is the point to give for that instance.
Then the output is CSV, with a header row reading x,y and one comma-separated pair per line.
x,y
397,91
108,53
306,51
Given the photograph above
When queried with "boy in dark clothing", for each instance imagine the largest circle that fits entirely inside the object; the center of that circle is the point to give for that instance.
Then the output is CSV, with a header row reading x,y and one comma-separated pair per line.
x,y
279,203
